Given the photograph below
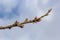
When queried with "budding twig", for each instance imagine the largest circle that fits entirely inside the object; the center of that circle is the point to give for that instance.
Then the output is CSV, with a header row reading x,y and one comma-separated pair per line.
x,y
21,25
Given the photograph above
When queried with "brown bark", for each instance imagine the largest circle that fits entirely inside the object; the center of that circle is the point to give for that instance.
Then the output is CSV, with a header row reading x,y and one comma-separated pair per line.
x,y
21,25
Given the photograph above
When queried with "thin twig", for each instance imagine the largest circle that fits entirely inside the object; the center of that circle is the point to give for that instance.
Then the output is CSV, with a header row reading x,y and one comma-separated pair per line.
x,y
18,24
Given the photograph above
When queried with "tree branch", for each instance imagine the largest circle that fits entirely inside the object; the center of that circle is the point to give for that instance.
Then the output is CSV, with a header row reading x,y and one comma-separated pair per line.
x,y
21,25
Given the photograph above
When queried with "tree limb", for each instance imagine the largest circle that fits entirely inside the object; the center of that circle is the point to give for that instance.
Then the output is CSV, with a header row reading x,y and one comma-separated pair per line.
x,y
21,25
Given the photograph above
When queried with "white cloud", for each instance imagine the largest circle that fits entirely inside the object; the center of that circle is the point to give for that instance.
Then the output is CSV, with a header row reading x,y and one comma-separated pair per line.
x,y
45,1
40,13
4,38
31,3
24,37
8,4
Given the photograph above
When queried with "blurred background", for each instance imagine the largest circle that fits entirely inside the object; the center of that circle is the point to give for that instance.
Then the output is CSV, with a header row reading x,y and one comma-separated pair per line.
x,y
47,29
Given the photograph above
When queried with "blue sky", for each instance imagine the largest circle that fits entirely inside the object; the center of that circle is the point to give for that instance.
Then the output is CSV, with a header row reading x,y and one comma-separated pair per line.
x,y
47,29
